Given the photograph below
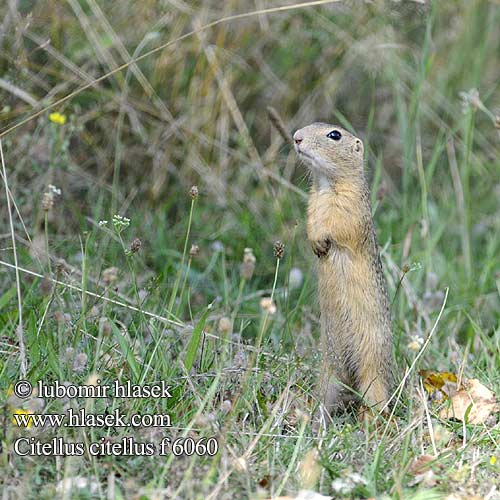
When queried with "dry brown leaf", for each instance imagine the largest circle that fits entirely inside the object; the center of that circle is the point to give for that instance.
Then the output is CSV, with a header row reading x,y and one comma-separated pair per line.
x,y
439,385
474,393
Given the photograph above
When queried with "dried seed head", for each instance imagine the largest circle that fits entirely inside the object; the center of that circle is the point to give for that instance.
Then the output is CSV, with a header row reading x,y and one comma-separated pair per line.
x,y
193,192
80,362
405,269
105,326
49,197
279,249
110,275
59,317
195,249
497,122
47,201
46,286
201,420
247,267
268,305
135,246
382,191
224,325
61,266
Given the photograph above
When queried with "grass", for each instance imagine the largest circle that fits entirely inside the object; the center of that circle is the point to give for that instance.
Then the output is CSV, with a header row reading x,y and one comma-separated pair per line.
x,y
234,332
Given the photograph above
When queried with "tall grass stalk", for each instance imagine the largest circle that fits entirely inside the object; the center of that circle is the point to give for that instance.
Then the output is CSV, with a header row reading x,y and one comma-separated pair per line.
x,y
180,271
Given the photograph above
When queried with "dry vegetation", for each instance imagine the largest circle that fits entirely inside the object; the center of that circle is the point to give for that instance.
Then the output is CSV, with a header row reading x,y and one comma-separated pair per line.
x,y
167,291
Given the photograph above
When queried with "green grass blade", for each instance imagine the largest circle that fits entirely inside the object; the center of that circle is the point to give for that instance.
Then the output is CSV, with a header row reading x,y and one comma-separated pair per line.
x,y
194,341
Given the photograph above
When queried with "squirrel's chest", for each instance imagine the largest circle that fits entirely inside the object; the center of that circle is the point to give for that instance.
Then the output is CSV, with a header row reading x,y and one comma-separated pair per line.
x,y
339,265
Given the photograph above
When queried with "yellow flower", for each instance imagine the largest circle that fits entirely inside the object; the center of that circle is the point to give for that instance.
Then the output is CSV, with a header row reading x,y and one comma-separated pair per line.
x,y
58,118
493,460
19,411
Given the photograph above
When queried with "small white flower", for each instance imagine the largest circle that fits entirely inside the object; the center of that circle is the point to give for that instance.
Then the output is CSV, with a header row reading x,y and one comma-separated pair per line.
x,y
54,190
120,222
103,223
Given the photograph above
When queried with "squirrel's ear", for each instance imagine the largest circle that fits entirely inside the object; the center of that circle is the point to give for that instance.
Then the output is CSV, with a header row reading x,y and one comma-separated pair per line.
x,y
358,146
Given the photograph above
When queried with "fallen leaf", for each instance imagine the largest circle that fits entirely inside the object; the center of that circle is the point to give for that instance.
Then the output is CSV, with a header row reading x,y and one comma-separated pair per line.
x,y
480,399
439,385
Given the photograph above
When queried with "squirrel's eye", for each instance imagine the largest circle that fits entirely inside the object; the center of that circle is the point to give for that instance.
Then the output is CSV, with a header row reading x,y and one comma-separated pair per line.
x,y
335,135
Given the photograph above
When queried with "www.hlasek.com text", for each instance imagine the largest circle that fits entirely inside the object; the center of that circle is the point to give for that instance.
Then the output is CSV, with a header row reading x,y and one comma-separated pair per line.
x,y
81,418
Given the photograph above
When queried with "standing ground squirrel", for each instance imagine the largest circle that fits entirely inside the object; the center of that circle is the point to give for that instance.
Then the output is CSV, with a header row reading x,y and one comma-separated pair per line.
x,y
356,337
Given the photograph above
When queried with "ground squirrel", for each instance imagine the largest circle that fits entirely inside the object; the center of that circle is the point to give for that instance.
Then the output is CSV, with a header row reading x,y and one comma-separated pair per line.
x,y
356,337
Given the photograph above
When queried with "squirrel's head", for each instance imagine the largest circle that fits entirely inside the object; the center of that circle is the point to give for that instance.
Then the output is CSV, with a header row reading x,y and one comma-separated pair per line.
x,y
330,150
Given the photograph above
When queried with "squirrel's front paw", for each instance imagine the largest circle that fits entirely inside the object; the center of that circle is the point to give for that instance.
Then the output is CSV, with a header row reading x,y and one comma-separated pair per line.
x,y
321,247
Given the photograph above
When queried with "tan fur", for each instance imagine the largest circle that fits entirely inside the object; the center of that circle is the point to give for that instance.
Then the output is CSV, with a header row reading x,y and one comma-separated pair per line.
x,y
356,338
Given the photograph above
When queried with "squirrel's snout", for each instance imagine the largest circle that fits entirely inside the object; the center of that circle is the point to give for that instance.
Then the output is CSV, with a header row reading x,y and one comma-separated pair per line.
x,y
298,137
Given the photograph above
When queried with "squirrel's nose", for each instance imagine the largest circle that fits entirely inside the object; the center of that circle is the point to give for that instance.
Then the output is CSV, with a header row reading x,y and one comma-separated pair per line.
x,y
298,137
